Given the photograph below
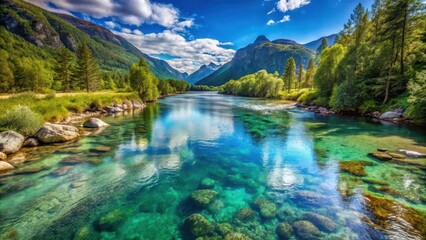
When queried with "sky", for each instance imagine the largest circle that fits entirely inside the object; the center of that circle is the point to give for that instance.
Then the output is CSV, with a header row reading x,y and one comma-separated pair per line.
x,y
191,33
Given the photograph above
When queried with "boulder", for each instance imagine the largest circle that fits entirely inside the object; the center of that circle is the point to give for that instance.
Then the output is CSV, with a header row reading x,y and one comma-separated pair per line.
x,y
31,142
63,170
306,230
356,168
236,236
2,156
55,133
305,197
110,221
204,197
223,229
266,208
207,183
381,156
245,215
10,142
284,231
323,223
5,166
31,169
95,123
390,115
72,160
198,225
413,154
113,109
137,104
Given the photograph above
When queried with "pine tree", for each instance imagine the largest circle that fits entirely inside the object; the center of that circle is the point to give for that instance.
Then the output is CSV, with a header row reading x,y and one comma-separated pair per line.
x,y
324,45
289,73
7,80
87,69
310,72
64,68
301,75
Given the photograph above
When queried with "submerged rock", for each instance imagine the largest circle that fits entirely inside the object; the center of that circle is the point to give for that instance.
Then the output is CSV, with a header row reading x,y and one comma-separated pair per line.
x,y
4,166
223,229
236,236
323,223
72,160
374,181
284,231
381,156
204,197
354,167
198,225
55,133
390,115
76,184
10,142
62,171
266,208
100,149
207,183
110,221
397,155
30,142
29,170
311,198
414,154
245,215
95,123
306,230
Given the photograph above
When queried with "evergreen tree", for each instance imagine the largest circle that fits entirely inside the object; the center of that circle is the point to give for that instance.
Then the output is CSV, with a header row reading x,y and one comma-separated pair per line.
x,y
64,68
289,73
87,69
7,81
32,75
310,72
143,81
322,46
301,75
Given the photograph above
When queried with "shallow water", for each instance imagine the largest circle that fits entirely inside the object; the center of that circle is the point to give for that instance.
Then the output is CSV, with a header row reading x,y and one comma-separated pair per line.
x,y
252,149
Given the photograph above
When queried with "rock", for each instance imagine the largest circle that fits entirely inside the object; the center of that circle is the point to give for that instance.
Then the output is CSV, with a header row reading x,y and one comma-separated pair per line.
x,y
207,183
31,142
303,197
266,208
223,229
382,149
198,225
354,167
203,198
284,231
137,104
3,156
381,156
113,109
413,154
76,184
72,160
306,230
245,215
62,171
55,133
95,161
95,123
323,223
100,149
374,181
110,221
125,107
390,115
397,155
17,159
4,166
29,170
69,151
10,142
236,236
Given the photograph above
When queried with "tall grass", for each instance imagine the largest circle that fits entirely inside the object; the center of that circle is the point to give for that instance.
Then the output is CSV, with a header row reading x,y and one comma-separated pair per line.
x,y
21,119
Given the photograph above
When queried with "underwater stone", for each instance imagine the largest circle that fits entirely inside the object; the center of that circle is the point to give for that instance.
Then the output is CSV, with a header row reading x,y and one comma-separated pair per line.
x,y
203,197
62,171
382,149
5,166
374,181
28,170
285,215
355,167
72,160
266,208
95,161
207,183
284,231
76,184
397,155
381,156
110,221
199,225
223,229
245,215
323,223
311,198
100,149
306,230
236,236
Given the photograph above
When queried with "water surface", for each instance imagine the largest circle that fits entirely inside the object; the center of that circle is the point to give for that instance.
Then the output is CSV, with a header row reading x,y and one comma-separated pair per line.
x,y
248,151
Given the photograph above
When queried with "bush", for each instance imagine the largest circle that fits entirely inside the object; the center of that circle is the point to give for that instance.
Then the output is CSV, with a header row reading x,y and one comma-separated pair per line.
x,y
321,102
368,106
23,120
308,97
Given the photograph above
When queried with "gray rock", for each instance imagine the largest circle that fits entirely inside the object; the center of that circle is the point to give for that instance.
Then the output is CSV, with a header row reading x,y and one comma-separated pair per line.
x,y
306,230
414,154
137,104
390,115
323,223
5,166
31,142
113,109
95,123
55,133
10,142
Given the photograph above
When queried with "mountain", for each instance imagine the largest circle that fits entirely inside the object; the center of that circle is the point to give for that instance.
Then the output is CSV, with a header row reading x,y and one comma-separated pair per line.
x,y
261,54
202,72
49,31
315,44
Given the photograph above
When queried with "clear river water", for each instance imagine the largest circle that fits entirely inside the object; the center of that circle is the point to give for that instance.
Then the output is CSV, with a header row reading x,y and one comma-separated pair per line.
x,y
209,166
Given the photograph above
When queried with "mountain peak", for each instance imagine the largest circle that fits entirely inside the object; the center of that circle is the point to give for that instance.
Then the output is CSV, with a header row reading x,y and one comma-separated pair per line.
x,y
213,65
261,39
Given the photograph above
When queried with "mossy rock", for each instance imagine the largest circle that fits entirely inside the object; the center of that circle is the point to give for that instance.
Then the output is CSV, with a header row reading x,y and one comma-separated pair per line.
x,y
85,233
356,168
306,230
198,225
110,221
266,208
284,231
323,223
207,183
381,156
204,197
397,155
223,229
236,236
374,181
245,215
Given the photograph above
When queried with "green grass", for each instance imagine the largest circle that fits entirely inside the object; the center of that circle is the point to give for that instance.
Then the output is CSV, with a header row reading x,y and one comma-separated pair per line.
x,y
55,108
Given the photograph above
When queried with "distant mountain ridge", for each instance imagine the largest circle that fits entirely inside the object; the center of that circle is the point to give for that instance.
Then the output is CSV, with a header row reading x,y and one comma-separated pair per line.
x,y
261,54
315,44
202,72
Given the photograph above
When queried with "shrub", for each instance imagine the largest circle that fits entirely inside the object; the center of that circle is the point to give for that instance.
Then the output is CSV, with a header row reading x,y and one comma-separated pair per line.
x,y
21,119
308,97
321,102
368,106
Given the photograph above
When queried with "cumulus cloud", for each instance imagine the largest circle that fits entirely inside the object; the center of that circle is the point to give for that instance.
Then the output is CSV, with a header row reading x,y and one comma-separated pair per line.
x,y
288,5
270,22
188,55
111,24
134,12
286,18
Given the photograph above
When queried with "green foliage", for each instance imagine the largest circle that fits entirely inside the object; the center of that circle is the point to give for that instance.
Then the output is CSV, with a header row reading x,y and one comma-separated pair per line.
x,y
87,70
260,84
289,74
32,75
64,68
293,96
368,106
178,85
310,72
322,46
21,119
308,97
203,88
143,81
343,99
7,80
417,99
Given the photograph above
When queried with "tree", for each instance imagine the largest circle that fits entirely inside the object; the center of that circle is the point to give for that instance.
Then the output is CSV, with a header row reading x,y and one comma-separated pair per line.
x,y
87,73
7,80
32,75
64,68
143,81
322,46
289,73
301,75
310,72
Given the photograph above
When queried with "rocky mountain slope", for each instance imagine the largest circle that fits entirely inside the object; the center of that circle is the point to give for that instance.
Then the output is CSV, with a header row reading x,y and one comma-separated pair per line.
x,y
315,44
202,72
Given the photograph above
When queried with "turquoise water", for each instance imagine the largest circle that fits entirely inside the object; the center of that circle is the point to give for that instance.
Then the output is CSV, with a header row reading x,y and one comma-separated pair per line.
x,y
264,163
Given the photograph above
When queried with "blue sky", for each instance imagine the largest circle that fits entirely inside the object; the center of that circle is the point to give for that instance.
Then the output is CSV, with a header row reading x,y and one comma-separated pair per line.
x,y
190,33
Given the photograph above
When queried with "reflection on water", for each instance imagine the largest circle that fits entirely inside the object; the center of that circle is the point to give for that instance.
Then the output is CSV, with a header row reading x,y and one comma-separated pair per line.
x,y
271,169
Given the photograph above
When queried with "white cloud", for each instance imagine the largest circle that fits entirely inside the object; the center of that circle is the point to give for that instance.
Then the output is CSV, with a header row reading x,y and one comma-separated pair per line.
x,y
188,55
286,18
111,24
126,30
272,11
288,5
270,22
